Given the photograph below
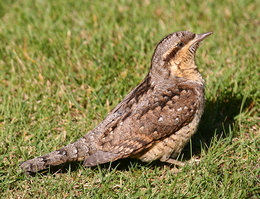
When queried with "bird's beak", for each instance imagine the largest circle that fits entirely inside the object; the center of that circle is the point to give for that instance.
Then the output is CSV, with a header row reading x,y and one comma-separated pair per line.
x,y
194,44
200,37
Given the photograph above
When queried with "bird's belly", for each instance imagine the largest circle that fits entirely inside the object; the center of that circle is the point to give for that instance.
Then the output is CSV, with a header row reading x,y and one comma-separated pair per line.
x,y
170,146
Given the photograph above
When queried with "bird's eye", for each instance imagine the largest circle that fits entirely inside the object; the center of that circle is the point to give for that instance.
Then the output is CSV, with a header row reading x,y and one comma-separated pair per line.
x,y
180,44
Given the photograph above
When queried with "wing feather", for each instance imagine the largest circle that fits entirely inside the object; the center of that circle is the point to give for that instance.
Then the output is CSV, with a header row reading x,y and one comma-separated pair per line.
x,y
147,114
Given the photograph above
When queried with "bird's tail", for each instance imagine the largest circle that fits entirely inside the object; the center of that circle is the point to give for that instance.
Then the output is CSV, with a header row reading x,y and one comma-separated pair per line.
x,y
76,151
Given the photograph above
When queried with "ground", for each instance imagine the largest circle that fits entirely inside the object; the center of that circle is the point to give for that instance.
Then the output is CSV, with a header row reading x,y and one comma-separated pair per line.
x,y
65,64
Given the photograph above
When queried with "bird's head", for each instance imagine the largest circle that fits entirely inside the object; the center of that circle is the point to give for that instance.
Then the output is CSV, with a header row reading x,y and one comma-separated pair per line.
x,y
175,55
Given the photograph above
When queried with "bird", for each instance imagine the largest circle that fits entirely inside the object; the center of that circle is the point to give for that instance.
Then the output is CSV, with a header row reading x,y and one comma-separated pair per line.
x,y
153,122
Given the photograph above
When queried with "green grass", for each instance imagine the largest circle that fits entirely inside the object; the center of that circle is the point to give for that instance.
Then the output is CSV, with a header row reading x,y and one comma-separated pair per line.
x,y
65,64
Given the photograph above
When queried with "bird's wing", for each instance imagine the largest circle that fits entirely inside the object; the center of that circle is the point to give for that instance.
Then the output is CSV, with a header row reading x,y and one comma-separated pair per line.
x,y
147,114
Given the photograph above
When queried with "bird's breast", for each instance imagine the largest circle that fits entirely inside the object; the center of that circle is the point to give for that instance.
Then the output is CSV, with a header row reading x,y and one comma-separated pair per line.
x,y
173,144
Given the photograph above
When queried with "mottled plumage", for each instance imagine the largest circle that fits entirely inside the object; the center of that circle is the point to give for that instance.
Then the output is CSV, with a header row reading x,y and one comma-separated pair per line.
x,y
154,121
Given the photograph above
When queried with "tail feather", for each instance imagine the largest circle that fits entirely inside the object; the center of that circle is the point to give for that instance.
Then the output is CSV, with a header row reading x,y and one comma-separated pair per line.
x,y
76,151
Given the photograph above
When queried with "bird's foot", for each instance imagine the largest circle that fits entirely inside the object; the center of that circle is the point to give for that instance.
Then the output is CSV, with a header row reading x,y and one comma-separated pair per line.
x,y
175,162
195,161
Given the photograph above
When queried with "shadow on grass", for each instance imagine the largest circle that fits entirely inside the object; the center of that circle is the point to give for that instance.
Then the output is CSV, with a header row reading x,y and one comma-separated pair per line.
x,y
218,119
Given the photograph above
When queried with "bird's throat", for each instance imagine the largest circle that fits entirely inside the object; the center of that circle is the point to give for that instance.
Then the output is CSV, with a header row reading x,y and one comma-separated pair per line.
x,y
186,71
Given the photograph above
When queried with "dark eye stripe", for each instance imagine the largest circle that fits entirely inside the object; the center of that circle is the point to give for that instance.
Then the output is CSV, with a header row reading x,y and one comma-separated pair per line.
x,y
184,40
172,54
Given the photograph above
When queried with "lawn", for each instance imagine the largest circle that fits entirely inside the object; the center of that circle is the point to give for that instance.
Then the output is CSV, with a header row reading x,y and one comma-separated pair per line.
x,y
65,64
